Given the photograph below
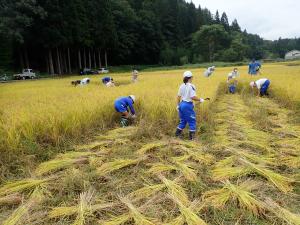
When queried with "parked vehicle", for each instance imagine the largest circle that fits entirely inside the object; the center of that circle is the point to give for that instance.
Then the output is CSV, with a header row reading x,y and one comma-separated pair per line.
x,y
87,71
26,74
103,71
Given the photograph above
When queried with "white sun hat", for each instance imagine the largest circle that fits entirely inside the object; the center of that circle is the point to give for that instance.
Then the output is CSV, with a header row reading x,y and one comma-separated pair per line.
x,y
132,97
187,74
252,84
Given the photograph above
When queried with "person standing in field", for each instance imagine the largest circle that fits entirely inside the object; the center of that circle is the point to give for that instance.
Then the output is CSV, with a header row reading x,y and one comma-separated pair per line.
x,y
209,71
185,106
122,106
135,75
254,68
261,86
85,81
232,81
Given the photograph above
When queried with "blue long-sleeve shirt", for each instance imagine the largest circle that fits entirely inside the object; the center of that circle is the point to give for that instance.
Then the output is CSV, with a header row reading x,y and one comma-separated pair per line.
x,y
253,67
106,80
126,102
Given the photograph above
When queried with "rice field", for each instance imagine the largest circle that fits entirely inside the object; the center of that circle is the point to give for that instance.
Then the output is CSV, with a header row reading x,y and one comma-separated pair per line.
x,y
65,161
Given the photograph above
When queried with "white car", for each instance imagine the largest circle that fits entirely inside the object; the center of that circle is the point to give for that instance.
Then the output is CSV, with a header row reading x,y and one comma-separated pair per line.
x,y
26,74
103,70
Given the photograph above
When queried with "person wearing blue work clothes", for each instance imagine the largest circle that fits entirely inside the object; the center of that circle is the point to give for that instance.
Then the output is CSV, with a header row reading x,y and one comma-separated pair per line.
x,y
106,80
122,106
262,86
186,96
232,81
254,67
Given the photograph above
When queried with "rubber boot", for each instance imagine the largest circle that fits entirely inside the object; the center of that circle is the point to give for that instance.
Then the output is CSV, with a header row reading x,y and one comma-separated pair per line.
x,y
124,122
192,135
178,133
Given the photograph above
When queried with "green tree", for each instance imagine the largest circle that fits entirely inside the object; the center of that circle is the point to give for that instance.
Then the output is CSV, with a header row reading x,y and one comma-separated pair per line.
x,y
209,39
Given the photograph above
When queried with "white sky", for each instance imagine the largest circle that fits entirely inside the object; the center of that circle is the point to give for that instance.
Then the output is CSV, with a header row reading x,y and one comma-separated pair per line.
x,y
270,19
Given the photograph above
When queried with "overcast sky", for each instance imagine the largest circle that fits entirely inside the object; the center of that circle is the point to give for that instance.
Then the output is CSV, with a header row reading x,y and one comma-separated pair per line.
x,y
270,19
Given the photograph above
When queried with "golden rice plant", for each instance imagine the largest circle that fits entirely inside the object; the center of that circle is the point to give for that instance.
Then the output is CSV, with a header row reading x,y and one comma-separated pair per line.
x,y
175,190
118,220
119,133
58,164
189,215
268,160
151,146
116,165
187,171
282,213
85,208
18,215
223,173
195,207
157,168
93,146
292,161
281,182
146,191
138,217
240,193
22,185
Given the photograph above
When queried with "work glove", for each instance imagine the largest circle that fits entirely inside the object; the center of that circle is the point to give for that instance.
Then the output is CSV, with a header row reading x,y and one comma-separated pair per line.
x,y
133,116
201,100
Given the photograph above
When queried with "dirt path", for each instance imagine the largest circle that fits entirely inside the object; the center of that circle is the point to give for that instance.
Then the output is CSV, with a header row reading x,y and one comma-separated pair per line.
x,y
245,176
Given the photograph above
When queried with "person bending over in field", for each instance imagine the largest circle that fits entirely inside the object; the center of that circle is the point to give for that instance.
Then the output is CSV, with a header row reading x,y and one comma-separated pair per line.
x,y
254,68
122,106
261,86
209,71
75,82
85,81
105,80
185,107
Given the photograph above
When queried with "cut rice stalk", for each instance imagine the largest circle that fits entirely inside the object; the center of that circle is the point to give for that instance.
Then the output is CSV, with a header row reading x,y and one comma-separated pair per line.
x,y
223,173
219,198
292,161
16,217
58,164
117,220
161,167
284,214
175,190
82,210
190,216
146,191
196,206
116,165
22,185
119,133
138,217
187,172
281,182
151,146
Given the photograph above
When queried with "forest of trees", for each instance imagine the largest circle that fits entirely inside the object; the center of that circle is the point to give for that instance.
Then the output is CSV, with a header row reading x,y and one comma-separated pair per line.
x,y
61,36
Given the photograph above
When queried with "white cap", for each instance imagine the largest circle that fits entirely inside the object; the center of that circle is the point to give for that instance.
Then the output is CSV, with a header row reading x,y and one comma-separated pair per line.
x,y
187,74
132,97
252,84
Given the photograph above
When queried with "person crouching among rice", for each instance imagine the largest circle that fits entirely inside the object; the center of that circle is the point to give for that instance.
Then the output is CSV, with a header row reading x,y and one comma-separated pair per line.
x,y
232,81
186,96
261,86
121,106
135,75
